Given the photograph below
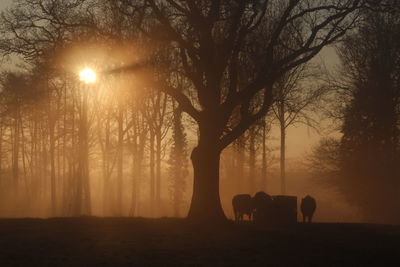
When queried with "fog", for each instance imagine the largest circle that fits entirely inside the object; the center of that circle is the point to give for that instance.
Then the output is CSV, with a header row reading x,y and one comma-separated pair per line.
x,y
32,196
173,109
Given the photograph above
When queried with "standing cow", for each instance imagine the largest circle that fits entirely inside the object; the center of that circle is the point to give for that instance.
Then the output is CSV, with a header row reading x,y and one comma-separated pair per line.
x,y
308,206
242,204
263,208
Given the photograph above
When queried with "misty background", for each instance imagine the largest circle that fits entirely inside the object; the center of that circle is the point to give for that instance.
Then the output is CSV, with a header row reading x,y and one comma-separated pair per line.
x,y
135,147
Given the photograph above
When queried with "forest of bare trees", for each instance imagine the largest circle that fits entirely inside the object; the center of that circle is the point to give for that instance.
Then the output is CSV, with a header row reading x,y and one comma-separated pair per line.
x,y
184,99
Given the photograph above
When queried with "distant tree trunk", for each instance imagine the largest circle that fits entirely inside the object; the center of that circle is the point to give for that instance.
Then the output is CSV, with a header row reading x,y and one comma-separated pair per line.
x,y
84,197
59,166
44,163
23,158
152,174
139,141
282,123
178,162
120,160
86,172
135,176
64,156
52,168
73,192
252,160
158,171
106,167
240,160
282,160
264,183
15,152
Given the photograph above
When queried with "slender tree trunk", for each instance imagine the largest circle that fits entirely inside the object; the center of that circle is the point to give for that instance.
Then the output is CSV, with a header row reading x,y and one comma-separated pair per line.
x,y
15,167
158,172
106,168
85,154
64,157
58,176
23,159
264,183
52,170
282,124
84,198
73,192
132,211
282,159
120,161
152,174
44,164
252,161
239,158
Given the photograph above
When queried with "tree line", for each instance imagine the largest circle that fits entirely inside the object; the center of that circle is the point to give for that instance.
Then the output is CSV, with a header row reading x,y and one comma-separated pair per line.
x,y
364,163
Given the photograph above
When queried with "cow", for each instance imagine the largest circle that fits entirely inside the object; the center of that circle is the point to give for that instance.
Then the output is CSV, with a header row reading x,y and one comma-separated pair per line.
x,y
263,208
308,206
242,204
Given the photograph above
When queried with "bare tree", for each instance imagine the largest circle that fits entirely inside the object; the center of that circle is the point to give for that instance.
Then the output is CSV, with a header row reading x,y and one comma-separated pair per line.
x,y
210,38
297,100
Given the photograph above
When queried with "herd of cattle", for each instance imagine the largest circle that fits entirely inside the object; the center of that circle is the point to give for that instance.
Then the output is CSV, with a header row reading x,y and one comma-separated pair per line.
x,y
272,210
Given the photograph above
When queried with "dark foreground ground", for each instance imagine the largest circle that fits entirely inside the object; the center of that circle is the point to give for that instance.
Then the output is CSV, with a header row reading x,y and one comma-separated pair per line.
x,y
171,242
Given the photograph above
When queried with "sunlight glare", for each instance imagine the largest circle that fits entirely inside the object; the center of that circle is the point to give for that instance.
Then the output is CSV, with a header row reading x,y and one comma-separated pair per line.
x,y
87,75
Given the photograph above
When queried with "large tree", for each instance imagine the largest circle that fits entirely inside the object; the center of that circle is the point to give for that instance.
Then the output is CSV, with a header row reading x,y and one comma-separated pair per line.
x,y
228,50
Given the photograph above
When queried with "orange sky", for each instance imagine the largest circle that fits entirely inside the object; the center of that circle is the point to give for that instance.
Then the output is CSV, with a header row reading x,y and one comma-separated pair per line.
x,y
299,138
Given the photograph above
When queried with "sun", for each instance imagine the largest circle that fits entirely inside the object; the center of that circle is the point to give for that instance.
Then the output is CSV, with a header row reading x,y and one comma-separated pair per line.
x,y
87,75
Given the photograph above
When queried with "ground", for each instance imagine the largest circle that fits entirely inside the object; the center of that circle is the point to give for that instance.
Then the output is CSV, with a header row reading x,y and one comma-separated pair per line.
x,y
172,242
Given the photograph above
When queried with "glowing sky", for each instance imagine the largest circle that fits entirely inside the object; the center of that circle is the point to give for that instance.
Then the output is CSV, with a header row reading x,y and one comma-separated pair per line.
x,y
299,138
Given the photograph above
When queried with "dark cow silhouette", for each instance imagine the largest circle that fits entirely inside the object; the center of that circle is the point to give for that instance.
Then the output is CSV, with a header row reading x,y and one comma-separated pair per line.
x,y
263,208
242,204
308,206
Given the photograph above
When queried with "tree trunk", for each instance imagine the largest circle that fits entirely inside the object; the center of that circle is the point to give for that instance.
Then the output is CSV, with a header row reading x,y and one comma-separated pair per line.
x,y
86,169
264,159
152,174
84,197
158,172
134,198
15,154
252,160
240,160
120,161
282,160
52,170
282,124
206,206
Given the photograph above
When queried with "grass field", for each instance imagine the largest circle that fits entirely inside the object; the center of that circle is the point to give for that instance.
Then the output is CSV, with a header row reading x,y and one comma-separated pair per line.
x,y
171,242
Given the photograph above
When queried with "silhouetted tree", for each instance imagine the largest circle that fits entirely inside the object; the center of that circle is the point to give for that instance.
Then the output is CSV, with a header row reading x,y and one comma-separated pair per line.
x,y
212,38
370,142
296,101
363,164
178,163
